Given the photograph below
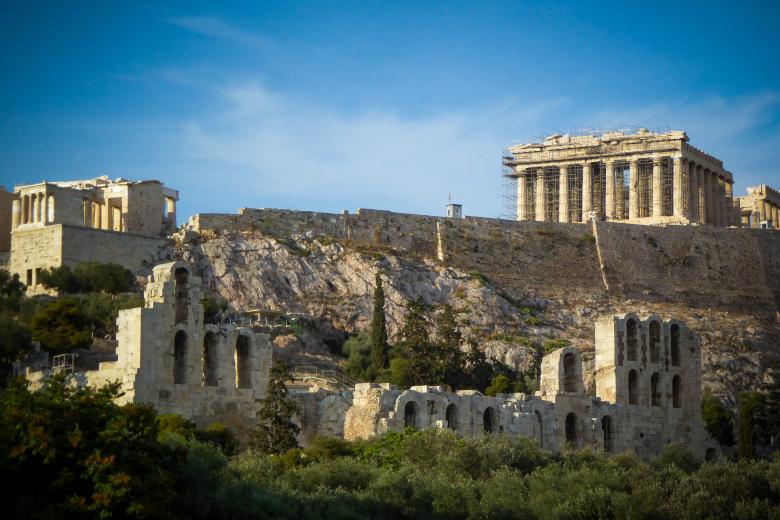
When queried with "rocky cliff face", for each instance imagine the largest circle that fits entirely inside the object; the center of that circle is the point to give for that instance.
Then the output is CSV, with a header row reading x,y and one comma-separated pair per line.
x,y
538,282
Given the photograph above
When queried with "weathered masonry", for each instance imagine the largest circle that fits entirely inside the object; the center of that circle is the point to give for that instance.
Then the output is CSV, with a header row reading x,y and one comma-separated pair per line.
x,y
648,380
64,223
167,357
644,177
760,208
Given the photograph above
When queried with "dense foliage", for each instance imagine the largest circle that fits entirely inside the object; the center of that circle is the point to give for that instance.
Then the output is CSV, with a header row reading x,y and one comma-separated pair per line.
x,y
89,277
72,453
69,452
420,357
717,419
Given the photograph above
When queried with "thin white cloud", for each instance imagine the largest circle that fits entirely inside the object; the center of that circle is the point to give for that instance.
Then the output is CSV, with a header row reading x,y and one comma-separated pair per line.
x,y
217,28
289,148
278,150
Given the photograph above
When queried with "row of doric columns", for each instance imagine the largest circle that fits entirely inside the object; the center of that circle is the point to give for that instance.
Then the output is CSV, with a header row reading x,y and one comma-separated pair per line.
x,y
765,210
32,208
632,188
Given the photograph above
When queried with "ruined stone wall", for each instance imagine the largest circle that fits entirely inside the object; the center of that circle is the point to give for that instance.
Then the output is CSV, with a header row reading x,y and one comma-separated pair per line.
x,y
699,266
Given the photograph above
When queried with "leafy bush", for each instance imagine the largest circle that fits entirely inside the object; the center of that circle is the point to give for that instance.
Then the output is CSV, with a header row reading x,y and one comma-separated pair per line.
x,y
68,452
61,326
88,277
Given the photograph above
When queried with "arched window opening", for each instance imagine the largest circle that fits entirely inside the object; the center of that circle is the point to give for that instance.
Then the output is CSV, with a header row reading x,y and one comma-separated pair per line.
x,y
569,373
606,429
655,342
631,335
180,358
633,387
710,454
571,429
675,345
676,389
655,390
541,428
210,359
243,363
489,420
181,293
410,415
452,417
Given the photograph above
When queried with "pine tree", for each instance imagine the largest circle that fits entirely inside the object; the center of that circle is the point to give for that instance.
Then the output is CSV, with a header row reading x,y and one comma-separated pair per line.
x,y
276,432
379,349
416,345
451,356
772,407
750,404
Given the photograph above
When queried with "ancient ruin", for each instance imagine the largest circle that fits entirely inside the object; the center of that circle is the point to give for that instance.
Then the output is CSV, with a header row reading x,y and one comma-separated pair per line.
x,y
648,381
168,357
642,177
760,208
64,223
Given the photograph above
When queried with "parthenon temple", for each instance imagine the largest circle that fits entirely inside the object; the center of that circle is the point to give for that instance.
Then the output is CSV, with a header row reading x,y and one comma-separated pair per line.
x,y
643,177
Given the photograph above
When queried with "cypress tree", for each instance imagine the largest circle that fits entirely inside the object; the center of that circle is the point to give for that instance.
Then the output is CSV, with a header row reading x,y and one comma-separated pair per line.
x,y
276,432
379,348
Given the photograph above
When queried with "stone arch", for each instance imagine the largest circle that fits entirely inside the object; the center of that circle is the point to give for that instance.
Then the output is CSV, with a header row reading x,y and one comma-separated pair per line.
x,y
181,292
571,429
606,429
655,342
243,362
676,392
569,372
633,387
655,389
675,340
632,334
210,359
180,358
410,415
452,417
489,420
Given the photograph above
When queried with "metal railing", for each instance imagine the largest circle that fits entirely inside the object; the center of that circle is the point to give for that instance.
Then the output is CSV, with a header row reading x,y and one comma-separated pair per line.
x,y
311,372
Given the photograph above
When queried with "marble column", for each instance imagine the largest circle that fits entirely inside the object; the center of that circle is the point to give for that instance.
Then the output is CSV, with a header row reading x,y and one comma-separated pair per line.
x,y
693,193
540,195
715,198
702,195
16,213
633,187
520,197
707,196
609,187
563,195
44,208
731,211
679,192
658,193
34,213
587,192
721,201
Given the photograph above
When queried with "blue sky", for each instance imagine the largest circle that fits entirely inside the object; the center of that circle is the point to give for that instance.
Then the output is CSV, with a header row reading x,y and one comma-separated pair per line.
x,y
389,105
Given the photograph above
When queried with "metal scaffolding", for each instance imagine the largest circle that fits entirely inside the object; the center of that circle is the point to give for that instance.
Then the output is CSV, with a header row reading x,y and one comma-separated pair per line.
x,y
574,176
645,174
551,193
599,189
529,204
667,187
621,172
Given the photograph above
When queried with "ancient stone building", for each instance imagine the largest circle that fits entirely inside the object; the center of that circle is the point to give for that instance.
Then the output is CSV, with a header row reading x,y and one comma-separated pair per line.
x,y
642,177
760,207
648,380
167,357
64,223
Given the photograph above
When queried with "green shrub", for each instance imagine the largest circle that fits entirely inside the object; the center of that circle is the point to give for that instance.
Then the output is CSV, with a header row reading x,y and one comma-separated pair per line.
x,y
220,436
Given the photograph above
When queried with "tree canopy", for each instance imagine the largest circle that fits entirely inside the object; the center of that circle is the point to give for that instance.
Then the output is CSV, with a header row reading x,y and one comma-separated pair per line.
x,y
276,430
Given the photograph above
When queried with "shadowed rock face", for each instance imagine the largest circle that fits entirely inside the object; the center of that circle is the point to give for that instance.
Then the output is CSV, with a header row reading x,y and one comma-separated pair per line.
x,y
530,279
